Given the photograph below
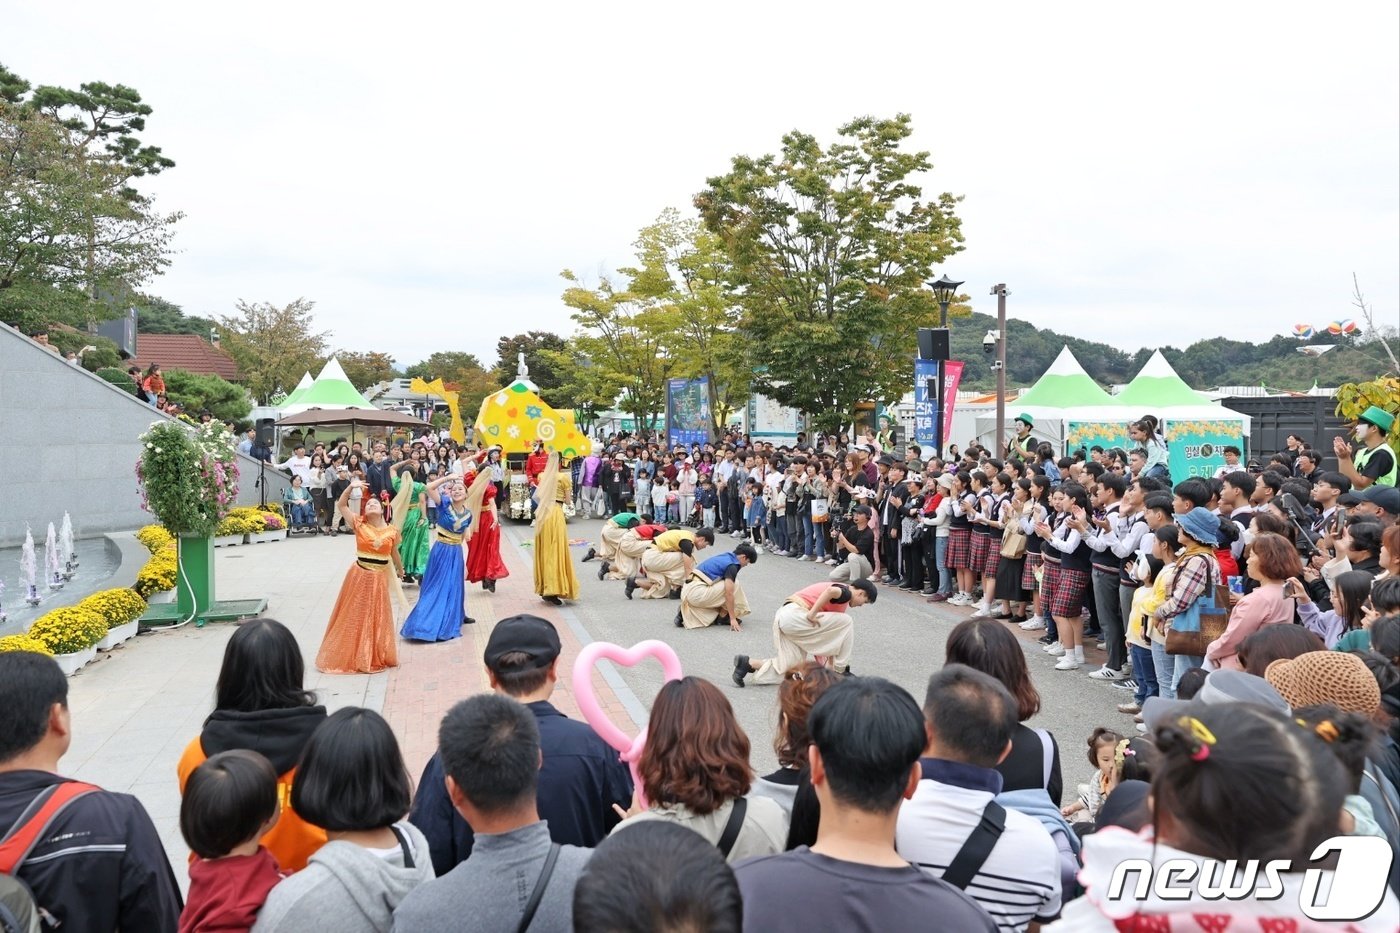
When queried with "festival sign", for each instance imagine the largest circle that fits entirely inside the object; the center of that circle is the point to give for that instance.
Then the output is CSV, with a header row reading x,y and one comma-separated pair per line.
x,y
688,411
1082,435
1196,447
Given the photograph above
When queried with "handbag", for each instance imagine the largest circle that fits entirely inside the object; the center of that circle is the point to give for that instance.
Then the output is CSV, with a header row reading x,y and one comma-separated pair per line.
x,y
821,511
1203,622
1013,542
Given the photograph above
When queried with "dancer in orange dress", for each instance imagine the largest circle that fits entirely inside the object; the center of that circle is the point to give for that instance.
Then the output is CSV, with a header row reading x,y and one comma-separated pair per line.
x,y
360,637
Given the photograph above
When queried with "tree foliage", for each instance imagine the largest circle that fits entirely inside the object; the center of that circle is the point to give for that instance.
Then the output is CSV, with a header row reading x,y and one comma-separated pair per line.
x,y
195,393
158,316
460,371
273,345
367,368
536,345
590,388
831,250
72,226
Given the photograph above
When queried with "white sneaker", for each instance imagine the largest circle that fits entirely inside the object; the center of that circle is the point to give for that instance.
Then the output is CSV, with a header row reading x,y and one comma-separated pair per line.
x,y
981,610
957,600
1107,673
1033,624
1055,650
1067,663
758,549
804,557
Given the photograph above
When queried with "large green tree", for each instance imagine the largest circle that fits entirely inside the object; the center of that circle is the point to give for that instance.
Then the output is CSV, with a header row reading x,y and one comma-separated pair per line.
x,y
832,249
536,345
158,316
366,368
73,227
591,388
273,345
196,392
686,272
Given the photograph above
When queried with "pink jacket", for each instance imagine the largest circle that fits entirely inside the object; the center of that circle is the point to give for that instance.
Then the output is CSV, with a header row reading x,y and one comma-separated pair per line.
x,y
1265,606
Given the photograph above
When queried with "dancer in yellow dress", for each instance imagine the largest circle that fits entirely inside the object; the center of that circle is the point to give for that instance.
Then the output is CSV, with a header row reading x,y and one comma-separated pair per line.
x,y
554,570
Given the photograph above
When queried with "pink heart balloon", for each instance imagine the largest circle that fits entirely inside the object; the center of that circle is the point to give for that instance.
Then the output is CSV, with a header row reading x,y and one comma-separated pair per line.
x,y
629,748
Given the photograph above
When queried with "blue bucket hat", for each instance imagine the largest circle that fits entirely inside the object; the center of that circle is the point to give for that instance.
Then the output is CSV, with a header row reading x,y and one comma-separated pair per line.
x,y
1201,525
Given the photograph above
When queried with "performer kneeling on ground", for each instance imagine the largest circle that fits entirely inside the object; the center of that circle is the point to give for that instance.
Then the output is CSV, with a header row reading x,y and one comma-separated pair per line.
x,y
628,558
669,562
613,529
812,623
712,595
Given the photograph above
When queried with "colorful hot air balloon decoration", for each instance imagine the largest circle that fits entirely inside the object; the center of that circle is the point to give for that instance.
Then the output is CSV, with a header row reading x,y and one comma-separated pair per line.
x,y
1302,331
1349,327
1335,328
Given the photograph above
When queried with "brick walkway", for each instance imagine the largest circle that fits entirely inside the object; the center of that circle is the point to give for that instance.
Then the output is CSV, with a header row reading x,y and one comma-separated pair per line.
x,y
430,678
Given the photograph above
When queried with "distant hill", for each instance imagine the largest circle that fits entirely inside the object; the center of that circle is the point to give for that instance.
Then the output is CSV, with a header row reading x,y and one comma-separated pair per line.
x,y
1204,364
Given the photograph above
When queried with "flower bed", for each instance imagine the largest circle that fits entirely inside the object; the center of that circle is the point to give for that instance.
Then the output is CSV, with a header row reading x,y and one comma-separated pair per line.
x,y
116,606
159,573
154,537
69,630
24,643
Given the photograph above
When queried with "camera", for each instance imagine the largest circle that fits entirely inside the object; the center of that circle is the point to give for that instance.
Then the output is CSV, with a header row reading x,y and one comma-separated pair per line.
x,y
989,342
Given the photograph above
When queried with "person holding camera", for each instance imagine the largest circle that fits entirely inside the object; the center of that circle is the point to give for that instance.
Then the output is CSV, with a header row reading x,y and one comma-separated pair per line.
x,y
1272,561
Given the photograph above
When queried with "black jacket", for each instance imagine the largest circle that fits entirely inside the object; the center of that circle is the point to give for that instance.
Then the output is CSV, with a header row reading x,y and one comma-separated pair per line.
x,y
100,867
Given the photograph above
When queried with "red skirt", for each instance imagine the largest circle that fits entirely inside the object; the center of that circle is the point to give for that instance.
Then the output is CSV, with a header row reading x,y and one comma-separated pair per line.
x,y
993,561
959,552
484,551
1028,574
1062,591
981,545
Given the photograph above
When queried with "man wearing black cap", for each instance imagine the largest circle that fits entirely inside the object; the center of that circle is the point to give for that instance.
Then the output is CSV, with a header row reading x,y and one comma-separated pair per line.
x,y
581,777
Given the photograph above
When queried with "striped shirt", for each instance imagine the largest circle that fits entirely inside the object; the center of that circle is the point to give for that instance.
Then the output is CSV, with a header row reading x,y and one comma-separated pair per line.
x,y
1020,881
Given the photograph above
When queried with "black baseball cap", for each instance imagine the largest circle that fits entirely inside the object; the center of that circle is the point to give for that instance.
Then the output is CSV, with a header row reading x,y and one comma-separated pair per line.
x,y
524,634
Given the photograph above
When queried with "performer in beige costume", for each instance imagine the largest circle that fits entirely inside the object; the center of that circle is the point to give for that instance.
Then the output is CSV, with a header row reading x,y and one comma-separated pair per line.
x,y
814,622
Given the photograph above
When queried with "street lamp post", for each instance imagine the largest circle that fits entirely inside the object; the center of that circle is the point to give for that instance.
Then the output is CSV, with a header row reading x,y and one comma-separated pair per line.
x,y
1001,292
945,289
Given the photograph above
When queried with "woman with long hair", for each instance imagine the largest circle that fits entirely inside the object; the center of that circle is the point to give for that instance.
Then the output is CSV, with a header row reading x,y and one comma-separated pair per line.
x,y
555,580
484,564
987,646
410,498
442,599
695,768
359,637
262,705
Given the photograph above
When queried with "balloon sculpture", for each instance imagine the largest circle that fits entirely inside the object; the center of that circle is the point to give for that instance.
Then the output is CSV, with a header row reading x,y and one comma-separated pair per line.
x,y
1302,331
630,749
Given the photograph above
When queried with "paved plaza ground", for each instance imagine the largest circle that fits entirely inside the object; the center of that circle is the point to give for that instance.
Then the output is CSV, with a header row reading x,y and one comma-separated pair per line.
x,y
135,710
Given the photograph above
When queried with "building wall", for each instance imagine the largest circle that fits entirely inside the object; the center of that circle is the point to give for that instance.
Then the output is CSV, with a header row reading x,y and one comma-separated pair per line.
x,y
70,443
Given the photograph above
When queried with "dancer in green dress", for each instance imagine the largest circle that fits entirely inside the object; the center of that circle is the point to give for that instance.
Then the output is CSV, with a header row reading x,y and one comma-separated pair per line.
x,y
413,548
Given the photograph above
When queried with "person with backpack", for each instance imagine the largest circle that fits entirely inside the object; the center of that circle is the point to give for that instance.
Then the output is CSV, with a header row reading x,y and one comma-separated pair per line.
x,y
953,828
91,860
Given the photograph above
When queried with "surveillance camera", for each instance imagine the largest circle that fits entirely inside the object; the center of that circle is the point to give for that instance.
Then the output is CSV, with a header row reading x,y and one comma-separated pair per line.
x,y
989,342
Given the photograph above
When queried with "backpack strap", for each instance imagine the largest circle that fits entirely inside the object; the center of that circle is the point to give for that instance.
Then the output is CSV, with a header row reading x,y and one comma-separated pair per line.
x,y
974,852
533,904
732,827
1047,753
26,832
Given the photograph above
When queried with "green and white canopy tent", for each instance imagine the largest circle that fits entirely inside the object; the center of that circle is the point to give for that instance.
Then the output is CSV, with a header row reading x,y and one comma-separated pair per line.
x,y
1195,428
1062,399
298,392
331,389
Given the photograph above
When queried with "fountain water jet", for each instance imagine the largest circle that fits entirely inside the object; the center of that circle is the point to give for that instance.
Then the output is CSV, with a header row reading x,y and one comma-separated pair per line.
x,y
29,569
53,564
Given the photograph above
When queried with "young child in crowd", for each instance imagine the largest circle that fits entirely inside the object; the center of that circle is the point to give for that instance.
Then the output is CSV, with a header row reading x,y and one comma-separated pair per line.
x,y
432,509
230,801
673,503
755,513
658,499
1350,591
1147,598
708,501
1103,747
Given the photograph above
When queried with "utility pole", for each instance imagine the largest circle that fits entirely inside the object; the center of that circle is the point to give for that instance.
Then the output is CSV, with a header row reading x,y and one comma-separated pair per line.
x,y
1001,292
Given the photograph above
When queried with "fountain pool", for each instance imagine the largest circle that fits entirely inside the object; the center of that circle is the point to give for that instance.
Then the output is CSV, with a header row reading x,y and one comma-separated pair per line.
x,y
98,559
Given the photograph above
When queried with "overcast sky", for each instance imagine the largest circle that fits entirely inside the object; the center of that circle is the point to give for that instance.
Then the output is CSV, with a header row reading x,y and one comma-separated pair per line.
x,y
1136,173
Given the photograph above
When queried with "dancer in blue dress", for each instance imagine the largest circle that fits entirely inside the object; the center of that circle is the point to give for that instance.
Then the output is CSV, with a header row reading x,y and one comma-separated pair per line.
x,y
441,610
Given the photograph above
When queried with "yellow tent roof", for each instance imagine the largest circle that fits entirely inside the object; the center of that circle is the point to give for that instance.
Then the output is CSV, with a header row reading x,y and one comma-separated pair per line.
x,y
515,417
